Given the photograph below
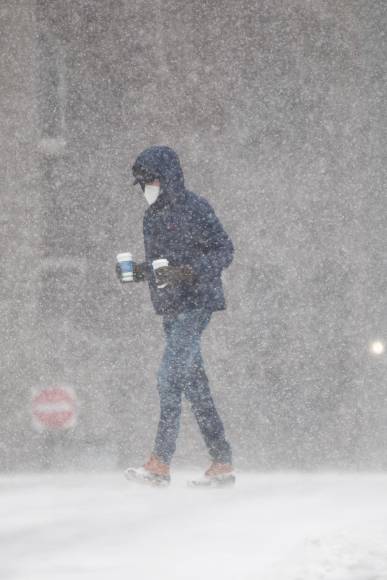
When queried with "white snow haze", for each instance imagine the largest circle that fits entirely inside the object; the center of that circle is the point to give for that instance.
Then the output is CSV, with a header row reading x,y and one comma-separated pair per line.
x,y
277,110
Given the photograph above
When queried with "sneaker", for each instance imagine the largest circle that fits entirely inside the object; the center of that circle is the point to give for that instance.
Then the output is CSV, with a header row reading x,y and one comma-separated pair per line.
x,y
217,469
153,472
217,475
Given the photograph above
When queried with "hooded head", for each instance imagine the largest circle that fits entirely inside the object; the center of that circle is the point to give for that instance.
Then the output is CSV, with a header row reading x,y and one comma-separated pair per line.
x,y
160,162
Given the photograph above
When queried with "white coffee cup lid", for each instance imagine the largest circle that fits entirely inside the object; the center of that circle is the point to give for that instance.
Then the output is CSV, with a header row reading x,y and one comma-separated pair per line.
x,y
159,263
124,257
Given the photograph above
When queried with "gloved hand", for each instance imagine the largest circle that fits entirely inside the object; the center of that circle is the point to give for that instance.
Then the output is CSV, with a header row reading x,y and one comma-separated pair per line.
x,y
173,275
139,272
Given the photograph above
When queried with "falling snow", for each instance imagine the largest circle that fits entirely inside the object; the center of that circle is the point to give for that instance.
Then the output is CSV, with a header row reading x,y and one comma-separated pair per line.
x,y
277,112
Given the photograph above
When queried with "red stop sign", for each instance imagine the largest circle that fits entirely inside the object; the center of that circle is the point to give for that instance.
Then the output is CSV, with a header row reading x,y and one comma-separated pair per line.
x,y
54,408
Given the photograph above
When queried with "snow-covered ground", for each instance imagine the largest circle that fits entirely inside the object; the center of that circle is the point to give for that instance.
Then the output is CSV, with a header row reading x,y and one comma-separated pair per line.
x,y
269,527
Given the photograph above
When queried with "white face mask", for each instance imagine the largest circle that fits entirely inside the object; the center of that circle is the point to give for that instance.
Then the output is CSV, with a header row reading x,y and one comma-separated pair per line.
x,y
151,193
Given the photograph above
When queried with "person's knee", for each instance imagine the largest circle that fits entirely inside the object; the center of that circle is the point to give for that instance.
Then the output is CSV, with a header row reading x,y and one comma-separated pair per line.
x,y
170,415
166,376
200,402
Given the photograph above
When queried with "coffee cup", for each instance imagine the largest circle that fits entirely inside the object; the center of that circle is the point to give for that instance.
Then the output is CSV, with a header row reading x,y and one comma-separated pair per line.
x,y
160,263
125,261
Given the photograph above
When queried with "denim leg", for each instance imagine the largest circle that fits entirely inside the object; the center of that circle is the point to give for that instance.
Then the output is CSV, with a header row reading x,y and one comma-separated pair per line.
x,y
170,396
182,332
182,370
198,393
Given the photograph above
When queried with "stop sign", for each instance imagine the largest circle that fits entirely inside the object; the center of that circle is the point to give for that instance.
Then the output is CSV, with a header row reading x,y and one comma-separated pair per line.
x,y
54,408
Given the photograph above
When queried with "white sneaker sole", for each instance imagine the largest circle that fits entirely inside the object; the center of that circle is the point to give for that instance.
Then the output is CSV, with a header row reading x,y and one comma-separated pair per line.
x,y
227,480
144,477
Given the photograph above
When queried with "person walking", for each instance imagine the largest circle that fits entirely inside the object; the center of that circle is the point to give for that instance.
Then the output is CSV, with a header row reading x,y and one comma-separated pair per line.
x,y
182,233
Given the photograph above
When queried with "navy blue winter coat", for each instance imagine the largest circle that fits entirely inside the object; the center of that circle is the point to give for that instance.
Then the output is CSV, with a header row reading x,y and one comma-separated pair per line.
x,y
182,227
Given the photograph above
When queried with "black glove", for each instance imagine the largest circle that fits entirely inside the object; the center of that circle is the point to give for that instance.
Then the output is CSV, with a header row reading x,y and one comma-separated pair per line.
x,y
139,272
173,275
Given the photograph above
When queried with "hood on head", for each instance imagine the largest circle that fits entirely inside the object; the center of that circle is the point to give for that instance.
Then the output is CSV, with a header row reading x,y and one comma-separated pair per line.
x,y
164,163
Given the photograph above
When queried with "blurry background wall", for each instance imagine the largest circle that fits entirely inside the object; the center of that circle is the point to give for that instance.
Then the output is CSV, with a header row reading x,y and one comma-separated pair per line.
x,y
276,110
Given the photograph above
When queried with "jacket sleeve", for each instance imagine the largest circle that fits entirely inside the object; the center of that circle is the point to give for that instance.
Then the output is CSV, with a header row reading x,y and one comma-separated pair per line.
x,y
214,247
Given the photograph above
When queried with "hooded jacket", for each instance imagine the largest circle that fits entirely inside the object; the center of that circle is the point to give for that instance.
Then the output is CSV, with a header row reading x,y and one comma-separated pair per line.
x,y
182,227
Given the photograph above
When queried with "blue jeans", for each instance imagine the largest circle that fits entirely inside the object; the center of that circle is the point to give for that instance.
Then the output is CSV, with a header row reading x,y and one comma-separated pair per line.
x,y
182,371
